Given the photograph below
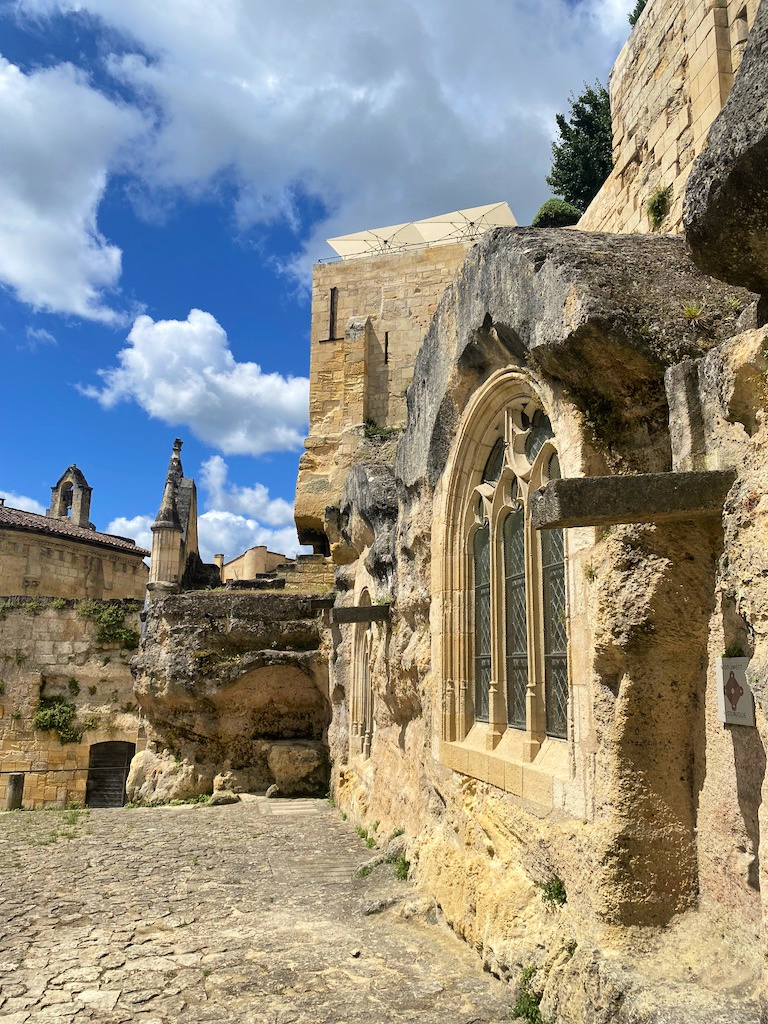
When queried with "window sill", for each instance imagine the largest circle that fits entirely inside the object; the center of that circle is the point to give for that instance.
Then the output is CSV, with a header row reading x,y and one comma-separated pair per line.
x,y
505,768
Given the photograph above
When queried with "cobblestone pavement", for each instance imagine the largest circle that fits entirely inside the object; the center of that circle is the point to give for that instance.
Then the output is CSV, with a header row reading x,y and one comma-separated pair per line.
x,y
242,913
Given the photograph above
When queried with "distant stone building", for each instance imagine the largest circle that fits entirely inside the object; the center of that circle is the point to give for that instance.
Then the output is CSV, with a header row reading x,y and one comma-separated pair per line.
x,y
60,554
256,561
69,619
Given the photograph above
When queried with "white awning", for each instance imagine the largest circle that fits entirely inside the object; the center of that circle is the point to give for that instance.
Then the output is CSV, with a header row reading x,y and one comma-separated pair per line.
x,y
460,226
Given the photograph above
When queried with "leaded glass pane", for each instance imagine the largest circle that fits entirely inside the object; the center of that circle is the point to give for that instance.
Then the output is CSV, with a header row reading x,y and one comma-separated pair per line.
x,y
482,560
540,432
516,619
495,462
555,633
553,469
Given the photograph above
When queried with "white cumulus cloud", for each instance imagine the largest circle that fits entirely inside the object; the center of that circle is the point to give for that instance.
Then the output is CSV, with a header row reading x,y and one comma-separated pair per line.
x,y
14,500
59,138
246,501
382,112
138,528
232,534
183,372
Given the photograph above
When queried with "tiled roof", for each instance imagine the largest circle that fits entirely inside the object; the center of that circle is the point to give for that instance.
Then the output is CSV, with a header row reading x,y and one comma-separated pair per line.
x,y
16,519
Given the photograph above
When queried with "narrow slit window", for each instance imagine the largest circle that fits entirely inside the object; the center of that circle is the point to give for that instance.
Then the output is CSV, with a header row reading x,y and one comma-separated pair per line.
x,y
386,346
333,306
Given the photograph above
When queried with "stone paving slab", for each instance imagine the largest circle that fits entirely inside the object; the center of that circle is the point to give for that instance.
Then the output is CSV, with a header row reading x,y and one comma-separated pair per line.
x,y
246,914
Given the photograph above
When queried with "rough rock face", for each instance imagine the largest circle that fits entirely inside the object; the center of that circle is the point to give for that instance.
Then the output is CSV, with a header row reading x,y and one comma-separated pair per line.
x,y
232,684
602,316
593,322
726,203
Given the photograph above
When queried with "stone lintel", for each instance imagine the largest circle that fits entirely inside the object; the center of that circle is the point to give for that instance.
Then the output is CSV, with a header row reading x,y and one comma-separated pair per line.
x,y
641,498
361,613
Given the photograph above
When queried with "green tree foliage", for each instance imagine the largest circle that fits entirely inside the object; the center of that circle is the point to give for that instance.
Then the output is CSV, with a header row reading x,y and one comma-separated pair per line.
x,y
555,213
582,158
639,8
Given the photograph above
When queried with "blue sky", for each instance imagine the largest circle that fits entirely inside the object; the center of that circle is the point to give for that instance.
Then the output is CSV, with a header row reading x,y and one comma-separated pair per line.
x,y
168,174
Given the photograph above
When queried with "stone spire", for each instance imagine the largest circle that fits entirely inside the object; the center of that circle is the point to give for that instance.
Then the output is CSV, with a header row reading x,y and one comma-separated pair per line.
x,y
168,514
168,545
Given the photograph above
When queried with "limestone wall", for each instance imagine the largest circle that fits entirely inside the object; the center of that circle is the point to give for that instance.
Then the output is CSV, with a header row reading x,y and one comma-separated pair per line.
x,y
667,86
234,687
47,648
648,812
382,307
49,566
364,370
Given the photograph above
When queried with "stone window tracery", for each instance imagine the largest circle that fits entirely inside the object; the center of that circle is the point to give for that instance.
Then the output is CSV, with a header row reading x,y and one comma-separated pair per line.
x,y
504,591
528,610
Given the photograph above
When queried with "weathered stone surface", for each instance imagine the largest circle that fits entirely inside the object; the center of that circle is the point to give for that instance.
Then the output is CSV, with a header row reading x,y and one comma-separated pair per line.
x,y
368,511
726,202
223,796
362,613
222,677
591,323
299,768
643,498
598,316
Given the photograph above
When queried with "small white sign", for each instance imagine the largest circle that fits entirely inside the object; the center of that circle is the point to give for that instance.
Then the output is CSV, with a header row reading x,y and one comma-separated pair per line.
x,y
735,703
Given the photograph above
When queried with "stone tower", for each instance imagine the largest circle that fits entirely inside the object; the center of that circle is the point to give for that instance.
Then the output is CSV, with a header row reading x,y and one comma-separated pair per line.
x,y
71,498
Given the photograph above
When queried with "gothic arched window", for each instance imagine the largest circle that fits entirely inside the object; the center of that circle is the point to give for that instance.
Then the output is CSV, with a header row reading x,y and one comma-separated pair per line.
x,y
518,634
502,598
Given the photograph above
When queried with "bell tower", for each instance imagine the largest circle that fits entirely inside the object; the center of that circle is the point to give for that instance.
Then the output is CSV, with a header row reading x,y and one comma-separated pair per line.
x,y
71,499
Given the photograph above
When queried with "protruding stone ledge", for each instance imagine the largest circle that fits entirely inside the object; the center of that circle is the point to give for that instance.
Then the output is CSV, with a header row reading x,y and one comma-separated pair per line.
x,y
642,498
362,613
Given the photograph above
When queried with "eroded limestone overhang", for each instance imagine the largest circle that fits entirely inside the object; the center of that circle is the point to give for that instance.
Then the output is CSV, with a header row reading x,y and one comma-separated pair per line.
x,y
602,316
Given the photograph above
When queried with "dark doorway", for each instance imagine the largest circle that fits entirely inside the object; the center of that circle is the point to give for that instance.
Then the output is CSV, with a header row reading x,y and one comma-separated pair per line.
x,y
108,766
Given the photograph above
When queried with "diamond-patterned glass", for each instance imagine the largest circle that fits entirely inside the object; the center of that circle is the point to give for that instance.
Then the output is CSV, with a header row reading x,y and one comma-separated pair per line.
x,y
516,617
541,431
482,560
495,462
555,632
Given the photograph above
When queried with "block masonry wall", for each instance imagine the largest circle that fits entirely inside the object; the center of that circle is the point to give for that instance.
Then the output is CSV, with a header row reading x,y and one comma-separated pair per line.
x,y
668,85
47,648
47,566
369,317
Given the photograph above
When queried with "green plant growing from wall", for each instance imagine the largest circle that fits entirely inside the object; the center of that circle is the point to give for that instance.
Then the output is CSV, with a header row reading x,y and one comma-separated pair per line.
x,y
372,429
733,651
553,893
693,311
109,618
59,715
657,206
527,1004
